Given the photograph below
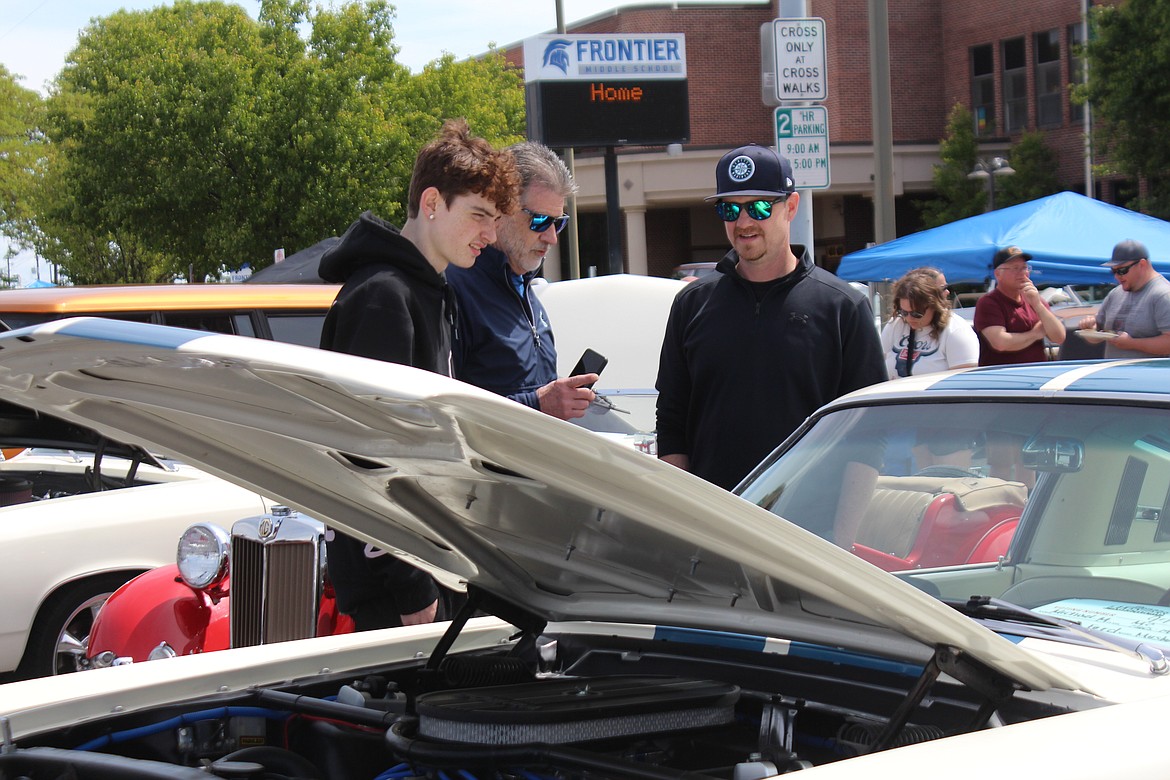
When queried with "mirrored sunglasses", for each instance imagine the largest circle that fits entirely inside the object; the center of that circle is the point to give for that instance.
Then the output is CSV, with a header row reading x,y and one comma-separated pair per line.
x,y
758,210
538,223
908,314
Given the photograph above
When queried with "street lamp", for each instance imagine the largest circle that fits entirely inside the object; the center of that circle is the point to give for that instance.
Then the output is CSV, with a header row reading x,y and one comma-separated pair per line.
x,y
989,169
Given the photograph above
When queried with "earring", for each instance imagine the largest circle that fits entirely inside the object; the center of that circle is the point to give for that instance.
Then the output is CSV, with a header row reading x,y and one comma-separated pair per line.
x,y
430,216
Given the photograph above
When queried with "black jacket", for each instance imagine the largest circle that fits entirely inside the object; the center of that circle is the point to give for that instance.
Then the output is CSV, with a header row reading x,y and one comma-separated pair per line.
x,y
737,375
393,306
505,342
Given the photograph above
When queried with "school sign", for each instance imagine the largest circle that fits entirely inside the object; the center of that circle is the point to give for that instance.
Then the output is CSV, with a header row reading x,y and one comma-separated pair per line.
x,y
607,90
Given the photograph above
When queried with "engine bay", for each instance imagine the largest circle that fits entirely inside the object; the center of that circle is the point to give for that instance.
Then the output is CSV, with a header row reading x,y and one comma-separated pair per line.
x,y
566,706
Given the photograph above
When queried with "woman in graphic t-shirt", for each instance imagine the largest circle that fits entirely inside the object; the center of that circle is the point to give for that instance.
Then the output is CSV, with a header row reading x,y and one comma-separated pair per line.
x,y
923,335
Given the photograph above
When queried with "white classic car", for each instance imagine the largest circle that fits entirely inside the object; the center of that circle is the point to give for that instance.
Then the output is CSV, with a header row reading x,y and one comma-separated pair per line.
x,y
622,316
80,516
624,618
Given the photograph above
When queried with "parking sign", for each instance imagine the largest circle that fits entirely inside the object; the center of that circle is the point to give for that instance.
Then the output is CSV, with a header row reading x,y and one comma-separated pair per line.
x,y
802,135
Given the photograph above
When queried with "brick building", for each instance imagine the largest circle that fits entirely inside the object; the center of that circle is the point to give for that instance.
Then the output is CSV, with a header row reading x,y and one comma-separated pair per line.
x,y
1009,63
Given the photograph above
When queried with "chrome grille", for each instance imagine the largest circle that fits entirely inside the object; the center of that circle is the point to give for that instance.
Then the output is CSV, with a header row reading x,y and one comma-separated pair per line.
x,y
274,579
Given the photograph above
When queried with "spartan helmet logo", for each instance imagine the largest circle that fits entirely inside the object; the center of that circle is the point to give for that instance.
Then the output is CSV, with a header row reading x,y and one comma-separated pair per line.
x,y
556,54
741,168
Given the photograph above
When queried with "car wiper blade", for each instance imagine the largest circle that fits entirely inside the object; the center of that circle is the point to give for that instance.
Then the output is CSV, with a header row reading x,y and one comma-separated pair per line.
x,y
997,609
988,607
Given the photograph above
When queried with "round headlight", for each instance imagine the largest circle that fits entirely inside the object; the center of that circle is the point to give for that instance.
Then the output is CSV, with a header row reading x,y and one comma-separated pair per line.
x,y
203,555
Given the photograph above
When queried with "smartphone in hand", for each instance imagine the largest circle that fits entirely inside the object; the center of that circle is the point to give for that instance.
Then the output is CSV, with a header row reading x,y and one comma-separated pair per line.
x,y
591,362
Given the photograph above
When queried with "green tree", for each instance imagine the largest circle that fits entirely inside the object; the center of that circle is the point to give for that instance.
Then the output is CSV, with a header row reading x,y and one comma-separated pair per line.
x,y
446,88
192,138
1035,172
152,119
22,148
958,196
1128,57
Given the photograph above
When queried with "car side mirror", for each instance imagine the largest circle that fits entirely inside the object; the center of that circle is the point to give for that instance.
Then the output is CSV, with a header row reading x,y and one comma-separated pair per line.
x,y
1053,454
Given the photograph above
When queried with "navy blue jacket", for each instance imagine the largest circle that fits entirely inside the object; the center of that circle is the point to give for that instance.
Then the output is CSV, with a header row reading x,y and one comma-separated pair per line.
x,y
504,342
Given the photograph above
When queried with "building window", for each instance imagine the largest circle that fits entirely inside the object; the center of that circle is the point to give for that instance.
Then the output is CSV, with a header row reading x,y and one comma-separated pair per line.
x,y
1048,82
983,89
1015,85
1076,68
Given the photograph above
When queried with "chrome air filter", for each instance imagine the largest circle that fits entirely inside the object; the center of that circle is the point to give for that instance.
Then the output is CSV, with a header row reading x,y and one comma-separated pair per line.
x,y
561,711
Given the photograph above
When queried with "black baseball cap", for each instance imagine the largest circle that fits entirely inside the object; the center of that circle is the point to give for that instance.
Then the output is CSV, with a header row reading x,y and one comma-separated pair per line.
x,y
1127,251
1009,253
753,170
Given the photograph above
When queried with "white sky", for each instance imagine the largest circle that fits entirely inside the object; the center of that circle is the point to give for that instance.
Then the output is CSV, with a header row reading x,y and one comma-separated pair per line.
x,y
37,35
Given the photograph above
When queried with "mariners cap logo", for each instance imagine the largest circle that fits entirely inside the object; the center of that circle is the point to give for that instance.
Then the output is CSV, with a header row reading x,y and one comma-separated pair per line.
x,y
741,168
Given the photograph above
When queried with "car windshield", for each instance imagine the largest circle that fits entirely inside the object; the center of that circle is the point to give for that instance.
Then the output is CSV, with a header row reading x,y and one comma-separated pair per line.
x,y
1060,508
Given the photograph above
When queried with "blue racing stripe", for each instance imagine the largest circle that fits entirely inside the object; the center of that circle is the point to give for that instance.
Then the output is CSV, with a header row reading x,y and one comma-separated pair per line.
x,y
836,655
1148,376
803,650
102,329
710,638
1022,378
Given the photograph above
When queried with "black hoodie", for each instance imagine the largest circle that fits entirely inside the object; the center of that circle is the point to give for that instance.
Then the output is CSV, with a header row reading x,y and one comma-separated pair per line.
x,y
394,305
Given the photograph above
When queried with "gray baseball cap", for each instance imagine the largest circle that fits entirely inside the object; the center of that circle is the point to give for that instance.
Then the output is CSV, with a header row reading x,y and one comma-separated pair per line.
x,y
1127,251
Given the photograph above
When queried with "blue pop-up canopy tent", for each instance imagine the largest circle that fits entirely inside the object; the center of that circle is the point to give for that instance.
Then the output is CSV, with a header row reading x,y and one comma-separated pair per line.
x,y
1068,235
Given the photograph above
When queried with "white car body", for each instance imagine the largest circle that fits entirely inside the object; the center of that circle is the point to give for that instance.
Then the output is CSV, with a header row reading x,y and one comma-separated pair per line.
x,y
81,544
622,316
601,558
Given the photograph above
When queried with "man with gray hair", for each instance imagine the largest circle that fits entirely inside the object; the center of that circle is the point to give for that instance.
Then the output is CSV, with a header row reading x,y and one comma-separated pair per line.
x,y
504,341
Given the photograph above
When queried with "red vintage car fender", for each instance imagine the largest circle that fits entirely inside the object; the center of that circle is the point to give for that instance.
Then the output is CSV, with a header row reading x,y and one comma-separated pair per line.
x,y
158,607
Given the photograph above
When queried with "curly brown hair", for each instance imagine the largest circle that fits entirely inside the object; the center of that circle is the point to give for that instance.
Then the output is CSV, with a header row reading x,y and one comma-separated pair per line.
x,y
456,163
920,287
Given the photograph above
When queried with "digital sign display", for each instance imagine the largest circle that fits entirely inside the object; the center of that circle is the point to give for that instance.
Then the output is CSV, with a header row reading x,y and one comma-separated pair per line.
x,y
609,112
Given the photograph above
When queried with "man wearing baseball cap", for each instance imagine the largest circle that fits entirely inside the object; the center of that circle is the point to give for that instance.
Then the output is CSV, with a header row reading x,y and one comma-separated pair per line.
x,y
1012,320
751,350
1138,309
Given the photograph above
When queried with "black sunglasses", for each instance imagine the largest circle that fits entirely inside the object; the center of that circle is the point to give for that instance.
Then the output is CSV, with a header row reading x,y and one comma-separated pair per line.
x,y
758,210
907,314
1122,270
542,222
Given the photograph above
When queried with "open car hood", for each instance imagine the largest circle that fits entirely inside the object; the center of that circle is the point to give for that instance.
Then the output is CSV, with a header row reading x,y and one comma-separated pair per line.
x,y
549,517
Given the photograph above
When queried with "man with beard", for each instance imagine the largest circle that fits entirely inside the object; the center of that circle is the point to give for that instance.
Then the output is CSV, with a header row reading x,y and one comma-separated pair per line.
x,y
504,342
1137,309
752,350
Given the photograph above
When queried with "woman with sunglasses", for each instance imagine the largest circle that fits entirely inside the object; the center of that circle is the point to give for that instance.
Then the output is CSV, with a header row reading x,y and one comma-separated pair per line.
x,y
923,335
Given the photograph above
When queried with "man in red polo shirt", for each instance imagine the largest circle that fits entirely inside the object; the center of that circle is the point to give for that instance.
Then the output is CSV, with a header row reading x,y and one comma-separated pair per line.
x,y
1012,320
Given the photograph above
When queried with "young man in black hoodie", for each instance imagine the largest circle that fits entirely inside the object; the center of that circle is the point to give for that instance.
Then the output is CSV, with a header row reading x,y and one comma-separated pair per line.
x,y
395,306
